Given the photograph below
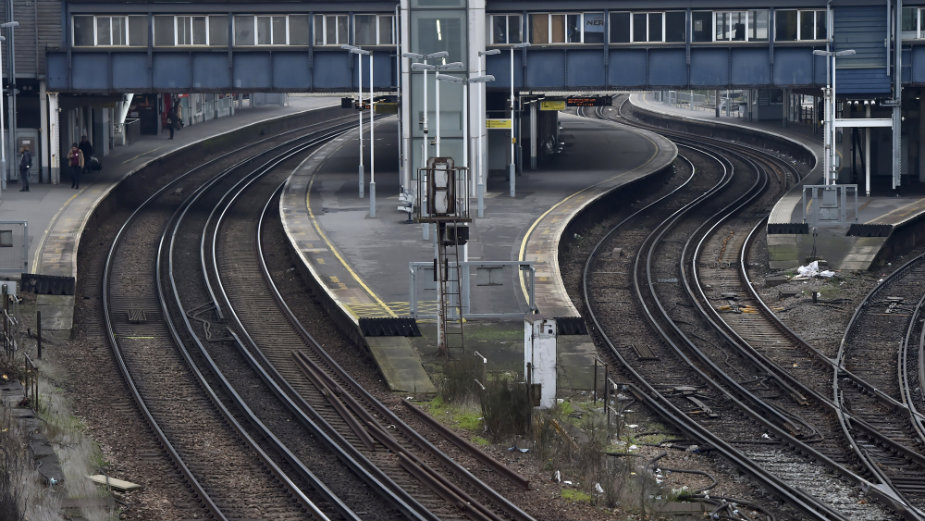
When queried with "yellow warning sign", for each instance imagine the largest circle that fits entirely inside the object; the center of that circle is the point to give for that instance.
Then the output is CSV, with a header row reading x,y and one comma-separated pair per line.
x,y
498,123
552,105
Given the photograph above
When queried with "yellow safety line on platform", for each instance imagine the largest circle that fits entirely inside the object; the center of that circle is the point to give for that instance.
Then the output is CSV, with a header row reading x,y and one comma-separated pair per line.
x,y
41,245
343,262
523,244
129,160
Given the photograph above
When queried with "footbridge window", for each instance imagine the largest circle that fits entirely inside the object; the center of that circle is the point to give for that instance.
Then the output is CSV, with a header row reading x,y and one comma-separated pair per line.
x,y
505,29
373,29
647,27
913,23
799,25
546,28
109,31
182,31
331,29
270,30
730,26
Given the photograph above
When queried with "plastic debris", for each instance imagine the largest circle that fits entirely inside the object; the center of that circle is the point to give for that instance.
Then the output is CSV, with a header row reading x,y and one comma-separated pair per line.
x,y
812,270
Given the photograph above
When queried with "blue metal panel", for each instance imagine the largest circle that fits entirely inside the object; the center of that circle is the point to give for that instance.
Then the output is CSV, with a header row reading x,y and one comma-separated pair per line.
x,y
57,75
918,65
332,70
862,81
211,71
500,67
627,68
546,68
750,66
291,71
709,67
862,29
130,71
668,67
797,66
585,68
172,71
384,67
90,72
252,71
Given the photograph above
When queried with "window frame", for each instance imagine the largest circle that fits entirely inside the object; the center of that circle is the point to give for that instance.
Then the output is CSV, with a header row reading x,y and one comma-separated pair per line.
x,y
553,28
320,37
752,25
389,29
819,16
508,17
125,32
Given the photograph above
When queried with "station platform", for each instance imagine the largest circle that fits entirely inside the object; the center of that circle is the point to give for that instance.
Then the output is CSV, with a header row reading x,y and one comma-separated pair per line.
x,y
363,262
880,227
57,214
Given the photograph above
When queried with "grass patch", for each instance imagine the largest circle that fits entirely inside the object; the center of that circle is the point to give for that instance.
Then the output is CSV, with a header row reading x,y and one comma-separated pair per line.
x,y
575,495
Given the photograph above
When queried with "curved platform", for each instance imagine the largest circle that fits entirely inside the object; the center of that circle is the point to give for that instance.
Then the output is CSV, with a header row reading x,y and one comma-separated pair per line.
x,y
57,214
883,225
363,263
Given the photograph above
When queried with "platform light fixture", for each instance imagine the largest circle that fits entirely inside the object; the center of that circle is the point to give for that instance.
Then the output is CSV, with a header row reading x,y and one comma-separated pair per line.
x,y
360,53
830,170
480,162
423,66
511,168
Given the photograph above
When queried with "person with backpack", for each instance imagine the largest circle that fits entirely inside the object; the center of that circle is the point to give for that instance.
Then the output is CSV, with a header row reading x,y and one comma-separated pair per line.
x,y
87,150
75,163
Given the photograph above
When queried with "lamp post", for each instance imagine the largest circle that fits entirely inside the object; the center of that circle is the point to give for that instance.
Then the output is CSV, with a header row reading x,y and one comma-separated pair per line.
x,y
480,166
465,83
360,53
422,66
2,126
511,169
8,168
829,164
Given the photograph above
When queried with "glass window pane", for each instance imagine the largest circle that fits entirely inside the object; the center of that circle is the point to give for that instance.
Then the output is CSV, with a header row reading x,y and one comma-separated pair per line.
x,y
364,29
183,30
702,26
557,28
515,31
199,30
573,28
737,26
674,26
539,28
909,22
138,30
218,30
758,24
118,30
298,29
279,30
821,26
498,29
639,27
319,29
385,30
723,30
594,27
102,31
244,30
263,30
785,26
921,22
619,27
342,29
330,30
163,31
807,25
83,30
655,27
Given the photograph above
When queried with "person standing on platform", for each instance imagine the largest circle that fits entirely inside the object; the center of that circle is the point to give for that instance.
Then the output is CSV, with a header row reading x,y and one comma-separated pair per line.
x,y
171,121
75,163
25,165
87,150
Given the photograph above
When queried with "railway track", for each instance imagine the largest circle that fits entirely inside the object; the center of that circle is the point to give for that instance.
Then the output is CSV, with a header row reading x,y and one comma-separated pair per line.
x,y
712,374
310,441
